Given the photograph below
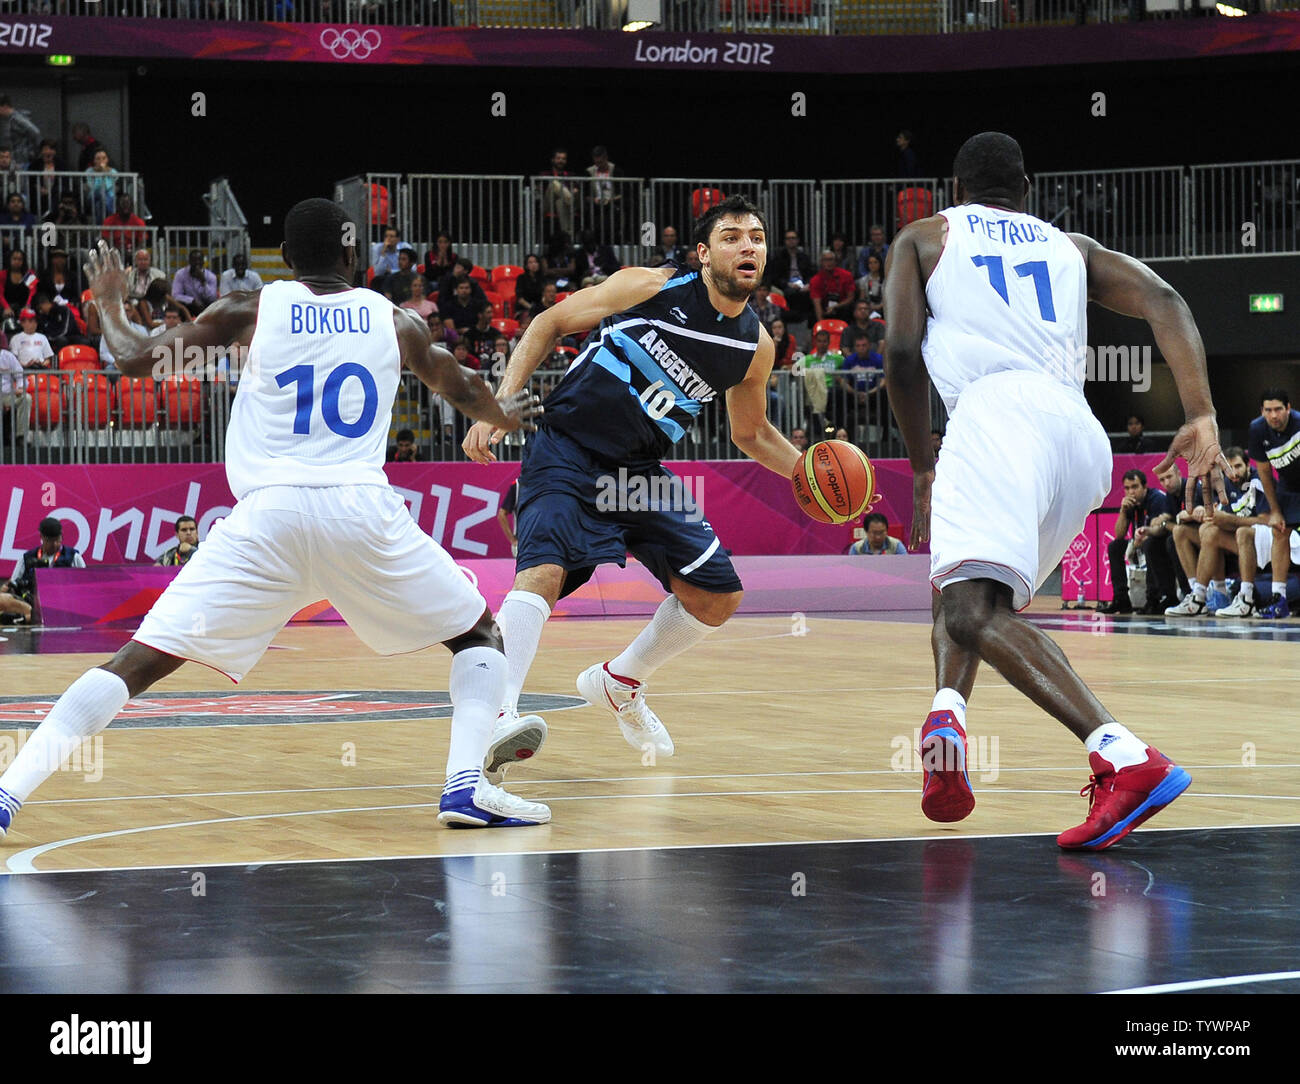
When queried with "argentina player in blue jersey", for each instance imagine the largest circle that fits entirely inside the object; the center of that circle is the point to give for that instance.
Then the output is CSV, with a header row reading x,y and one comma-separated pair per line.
x,y
667,342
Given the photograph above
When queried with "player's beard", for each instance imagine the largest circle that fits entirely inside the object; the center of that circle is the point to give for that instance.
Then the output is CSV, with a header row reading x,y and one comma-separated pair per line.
x,y
732,288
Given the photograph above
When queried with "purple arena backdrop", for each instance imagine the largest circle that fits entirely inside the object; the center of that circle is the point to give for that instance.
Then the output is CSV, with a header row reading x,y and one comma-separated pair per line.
x,y
125,514
329,44
120,595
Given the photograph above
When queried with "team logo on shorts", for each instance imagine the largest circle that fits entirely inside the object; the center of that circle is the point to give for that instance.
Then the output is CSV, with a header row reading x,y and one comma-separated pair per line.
x,y
264,708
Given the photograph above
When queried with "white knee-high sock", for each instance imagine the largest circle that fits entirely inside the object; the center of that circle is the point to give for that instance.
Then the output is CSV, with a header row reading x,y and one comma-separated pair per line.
x,y
478,682
670,632
521,618
89,705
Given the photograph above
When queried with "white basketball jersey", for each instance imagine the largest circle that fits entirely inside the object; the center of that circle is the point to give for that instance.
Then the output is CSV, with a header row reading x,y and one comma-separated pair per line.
x,y
315,402
1010,292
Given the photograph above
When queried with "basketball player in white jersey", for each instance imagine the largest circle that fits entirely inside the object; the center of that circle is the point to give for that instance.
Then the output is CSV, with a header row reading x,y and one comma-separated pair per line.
x,y
995,302
315,516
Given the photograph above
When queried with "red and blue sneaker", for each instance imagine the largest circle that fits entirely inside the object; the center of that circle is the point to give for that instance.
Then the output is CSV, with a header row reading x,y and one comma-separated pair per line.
x,y
946,795
1119,801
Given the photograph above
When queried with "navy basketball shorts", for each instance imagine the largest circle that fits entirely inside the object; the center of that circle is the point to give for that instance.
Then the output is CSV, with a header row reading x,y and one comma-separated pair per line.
x,y
1289,505
578,513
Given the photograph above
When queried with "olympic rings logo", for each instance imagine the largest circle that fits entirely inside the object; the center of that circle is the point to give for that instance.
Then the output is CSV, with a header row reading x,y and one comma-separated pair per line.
x,y
350,43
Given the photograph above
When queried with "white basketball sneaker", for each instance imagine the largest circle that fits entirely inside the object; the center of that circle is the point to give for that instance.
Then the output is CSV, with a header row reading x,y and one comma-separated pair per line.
x,y
626,702
515,738
481,805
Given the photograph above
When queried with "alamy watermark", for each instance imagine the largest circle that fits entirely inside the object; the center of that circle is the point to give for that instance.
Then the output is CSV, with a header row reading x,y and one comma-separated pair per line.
x,y
624,492
1102,364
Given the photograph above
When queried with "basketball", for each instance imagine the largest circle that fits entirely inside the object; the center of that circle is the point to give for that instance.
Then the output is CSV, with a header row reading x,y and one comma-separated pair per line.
x,y
834,482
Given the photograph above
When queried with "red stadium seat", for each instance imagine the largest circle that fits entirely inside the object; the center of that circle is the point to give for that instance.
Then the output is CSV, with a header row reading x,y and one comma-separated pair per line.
x,y
835,329
480,274
704,198
506,326
562,295
96,390
497,302
46,391
87,295
370,275
182,400
505,272
379,204
77,318
136,399
506,288
74,359
796,8
914,203
779,301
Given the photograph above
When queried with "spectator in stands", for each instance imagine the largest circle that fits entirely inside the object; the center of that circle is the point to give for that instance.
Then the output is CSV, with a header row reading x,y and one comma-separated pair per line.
x,y
54,322
875,247
1137,441
89,145
124,230
561,266
171,318
68,213
51,553
872,326
820,367
418,298
761,302
101,186
871,287
831,290
866,371
32,349
438,260
606,199
19,289
784,343
460,272
404,450
14,399
8,174
50,188
669,251
383,255
504,517
17,220
194,285
480,340
877,539
142,275
549,295
1217,535
908,164
846,255
461,310
791,271
462,355
1273,447
558,196
239,277
799,439
155,303
528,286
187,542
18,133
60,282
595,262
1139,506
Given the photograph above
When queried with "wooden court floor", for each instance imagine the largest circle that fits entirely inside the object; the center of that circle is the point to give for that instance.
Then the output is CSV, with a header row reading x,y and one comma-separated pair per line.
x,y
783,735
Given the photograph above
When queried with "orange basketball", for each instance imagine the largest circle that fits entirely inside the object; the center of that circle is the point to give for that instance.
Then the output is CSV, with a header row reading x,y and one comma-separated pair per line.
x,y
834,482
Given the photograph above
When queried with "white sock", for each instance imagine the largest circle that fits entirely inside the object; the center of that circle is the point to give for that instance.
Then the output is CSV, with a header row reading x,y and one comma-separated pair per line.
x,y
670,632
950,700
1279,589
1198,591
1220,586
1248,591
521,618
89,705
1117,744
478,683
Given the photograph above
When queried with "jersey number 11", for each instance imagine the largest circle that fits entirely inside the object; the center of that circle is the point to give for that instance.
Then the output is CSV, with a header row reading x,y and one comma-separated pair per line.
x,y
1035,268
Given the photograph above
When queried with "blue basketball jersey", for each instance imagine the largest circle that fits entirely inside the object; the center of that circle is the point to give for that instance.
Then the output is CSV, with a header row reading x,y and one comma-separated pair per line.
x,y
641,378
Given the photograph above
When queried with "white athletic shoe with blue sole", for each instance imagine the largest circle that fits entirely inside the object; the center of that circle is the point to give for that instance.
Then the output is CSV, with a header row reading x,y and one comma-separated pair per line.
x,y
481,805
515,738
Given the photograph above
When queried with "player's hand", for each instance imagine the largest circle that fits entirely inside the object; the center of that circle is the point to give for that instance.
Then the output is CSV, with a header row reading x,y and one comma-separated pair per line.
x,y
1277,523
105,276
922,481
478,442
521,410
1198,514
1198,442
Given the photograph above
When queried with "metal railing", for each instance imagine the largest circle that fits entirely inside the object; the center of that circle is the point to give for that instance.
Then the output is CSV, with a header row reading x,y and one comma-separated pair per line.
x,y
821,17
1136,211
1244,209
95,194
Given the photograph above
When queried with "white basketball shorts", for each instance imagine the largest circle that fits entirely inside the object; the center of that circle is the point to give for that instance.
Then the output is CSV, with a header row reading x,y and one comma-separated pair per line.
x,y
1023,463
285,547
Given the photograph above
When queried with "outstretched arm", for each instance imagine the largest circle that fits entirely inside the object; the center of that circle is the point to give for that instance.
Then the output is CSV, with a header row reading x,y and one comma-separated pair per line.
x,y
751,431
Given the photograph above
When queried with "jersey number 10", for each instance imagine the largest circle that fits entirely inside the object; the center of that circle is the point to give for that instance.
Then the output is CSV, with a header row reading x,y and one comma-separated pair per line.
x,y
305,377
1035,268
